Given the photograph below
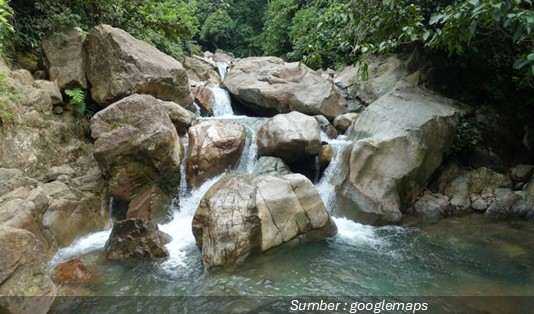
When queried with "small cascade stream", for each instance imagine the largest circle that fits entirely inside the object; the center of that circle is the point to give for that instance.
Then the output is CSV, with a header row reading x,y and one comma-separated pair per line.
x,y
414,259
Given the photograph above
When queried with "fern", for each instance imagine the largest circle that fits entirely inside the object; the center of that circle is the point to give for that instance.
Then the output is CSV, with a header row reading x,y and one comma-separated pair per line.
x,y
77,99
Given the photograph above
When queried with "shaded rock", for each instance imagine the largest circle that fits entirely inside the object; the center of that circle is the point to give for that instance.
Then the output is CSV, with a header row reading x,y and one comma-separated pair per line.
x,y
430,204
344,121
134,238
290,136
479,204
39,75
478,181
214,146
73,272
326,127
180,117
64,58
137,146
52,89
23,273
400,140
522,172
510,204
132,66
200,69
242,214
273,166
269,86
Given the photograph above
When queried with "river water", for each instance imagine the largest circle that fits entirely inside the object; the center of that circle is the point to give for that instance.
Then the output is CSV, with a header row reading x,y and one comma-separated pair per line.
x,y
456,256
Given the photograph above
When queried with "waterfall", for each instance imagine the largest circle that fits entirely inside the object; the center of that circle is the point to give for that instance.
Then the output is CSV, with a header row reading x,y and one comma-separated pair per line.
x,y
222,68
335,172
223,103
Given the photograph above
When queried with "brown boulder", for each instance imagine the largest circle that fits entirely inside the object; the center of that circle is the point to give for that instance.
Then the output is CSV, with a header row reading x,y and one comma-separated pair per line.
x,y
134,238
73,272
242,214
290,136
268,85
213,147
119,65
64,58
137,146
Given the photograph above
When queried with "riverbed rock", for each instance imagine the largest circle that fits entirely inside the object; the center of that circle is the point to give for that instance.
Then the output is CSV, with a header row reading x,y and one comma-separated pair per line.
x,y
119,65
478,181
326,127
137,146
273,166
201,70
344,121
23,273
522,172
430,205
290,136
214,146
268,86
511,204
180,117
242,214
64,58
400,141
205,99
136,238
73,272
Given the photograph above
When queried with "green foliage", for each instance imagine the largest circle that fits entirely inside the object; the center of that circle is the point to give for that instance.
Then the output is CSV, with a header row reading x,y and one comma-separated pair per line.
x,y
77,99
275,37
231,25
168,25
218,29
6,14
467,134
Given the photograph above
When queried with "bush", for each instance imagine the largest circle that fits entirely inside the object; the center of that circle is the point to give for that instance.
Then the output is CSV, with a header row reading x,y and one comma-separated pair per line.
x,y
168,25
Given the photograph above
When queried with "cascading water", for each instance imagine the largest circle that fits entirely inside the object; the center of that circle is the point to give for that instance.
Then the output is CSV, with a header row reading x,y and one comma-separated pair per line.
x,y
222,68
360,260
223,103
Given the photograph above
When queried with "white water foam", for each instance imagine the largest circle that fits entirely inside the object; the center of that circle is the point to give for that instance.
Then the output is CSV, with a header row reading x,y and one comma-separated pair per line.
x,y
327,185
91,243
223,103
222,68
180,226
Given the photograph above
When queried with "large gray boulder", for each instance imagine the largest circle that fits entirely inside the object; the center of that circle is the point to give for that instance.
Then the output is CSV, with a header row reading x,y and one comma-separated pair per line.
x,y
25,285
214,146
382,74
243,214
290,136
64,58
269,86
400,140
137,147
119,65
201,70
